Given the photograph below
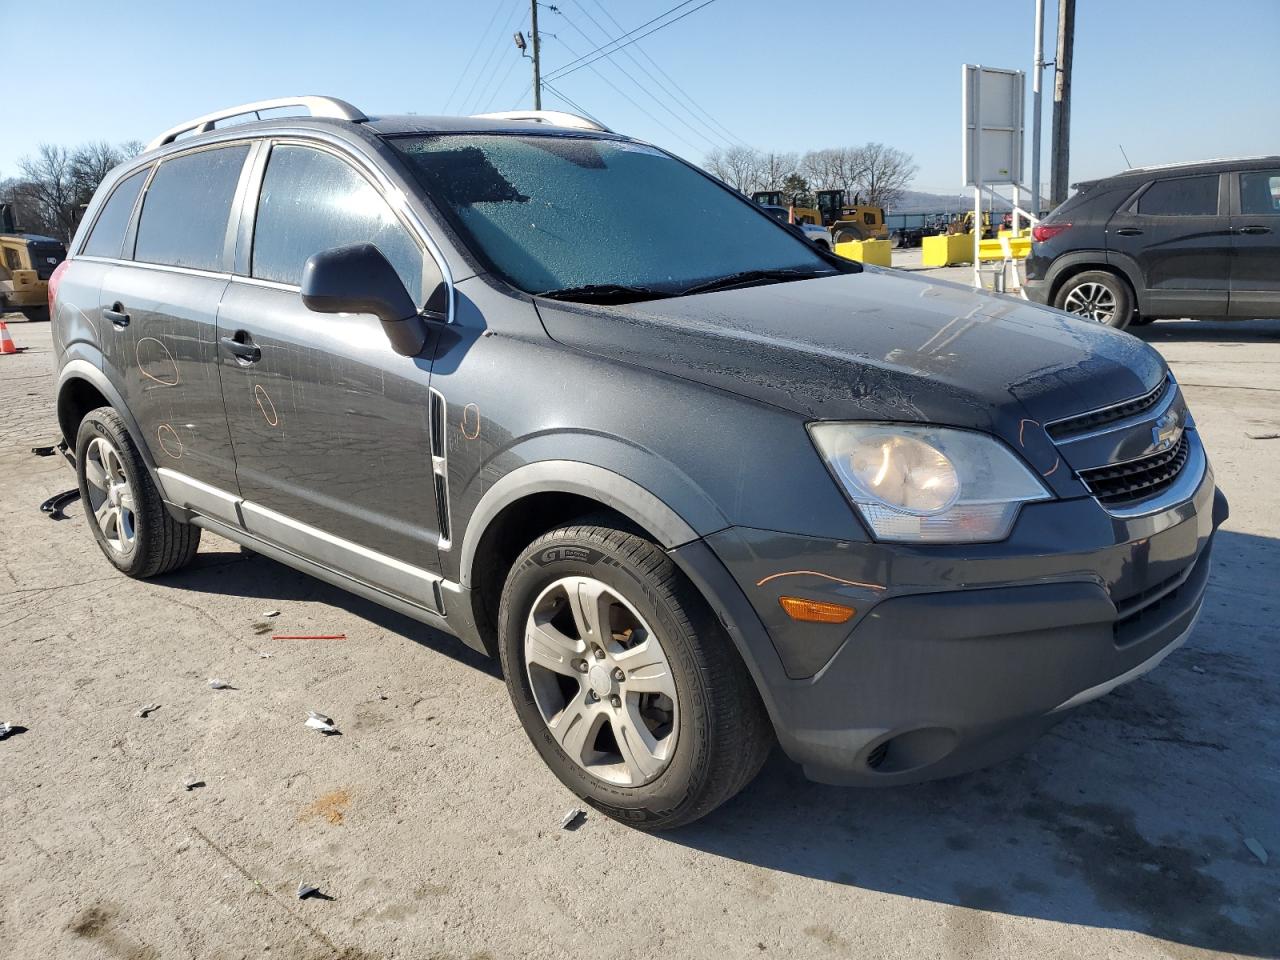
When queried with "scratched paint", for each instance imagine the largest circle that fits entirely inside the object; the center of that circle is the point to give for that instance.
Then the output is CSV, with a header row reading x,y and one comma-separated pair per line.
x,y
471,421
267,408
169,441
155,362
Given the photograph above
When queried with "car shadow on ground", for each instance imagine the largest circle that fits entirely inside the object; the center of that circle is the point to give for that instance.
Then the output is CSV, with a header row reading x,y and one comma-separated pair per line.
x,y
241,573
1209,331
1131,814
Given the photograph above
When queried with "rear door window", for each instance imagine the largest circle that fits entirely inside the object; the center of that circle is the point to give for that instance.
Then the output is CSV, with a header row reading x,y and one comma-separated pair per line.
x,y
1181,197
313,201
107,236
1260,193
187,207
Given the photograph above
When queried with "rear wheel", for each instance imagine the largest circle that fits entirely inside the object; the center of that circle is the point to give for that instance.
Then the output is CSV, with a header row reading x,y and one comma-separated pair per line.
x,y
847,233
625,681
123,506
1098,296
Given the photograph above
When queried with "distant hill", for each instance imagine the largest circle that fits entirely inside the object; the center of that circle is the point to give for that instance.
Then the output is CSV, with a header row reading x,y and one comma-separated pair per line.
x,y
914,201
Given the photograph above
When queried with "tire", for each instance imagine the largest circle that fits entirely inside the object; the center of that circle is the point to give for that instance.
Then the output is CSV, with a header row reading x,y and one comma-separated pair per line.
x,y
141,540
716,735
847,233
1098,296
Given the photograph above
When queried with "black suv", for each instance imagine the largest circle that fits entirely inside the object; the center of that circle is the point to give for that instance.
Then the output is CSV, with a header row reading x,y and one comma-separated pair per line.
x,y
700,490
1198,240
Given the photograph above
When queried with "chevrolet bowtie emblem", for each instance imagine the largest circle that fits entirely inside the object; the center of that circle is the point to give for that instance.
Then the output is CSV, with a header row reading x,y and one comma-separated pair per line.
x,y
1166,431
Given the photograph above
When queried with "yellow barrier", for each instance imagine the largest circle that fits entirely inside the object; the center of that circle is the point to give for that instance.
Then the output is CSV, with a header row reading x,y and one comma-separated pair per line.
x,y
878,253
1019,248
945,251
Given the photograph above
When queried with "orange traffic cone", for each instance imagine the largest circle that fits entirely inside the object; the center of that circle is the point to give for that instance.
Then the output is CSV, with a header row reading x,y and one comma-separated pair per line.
x,y
6,339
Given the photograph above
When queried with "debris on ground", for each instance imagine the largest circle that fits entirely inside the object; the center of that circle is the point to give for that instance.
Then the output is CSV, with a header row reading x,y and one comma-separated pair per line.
x,y
216,684
264,655
6,728
55,504
1257,849
309,636
48,451
1263,436
191,783
318,721
306,890
270,613
148,708
1196,669
573,819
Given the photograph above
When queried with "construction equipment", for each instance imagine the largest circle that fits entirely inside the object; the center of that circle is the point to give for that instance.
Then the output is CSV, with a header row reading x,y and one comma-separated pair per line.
x,y
851,221
799,214
27,261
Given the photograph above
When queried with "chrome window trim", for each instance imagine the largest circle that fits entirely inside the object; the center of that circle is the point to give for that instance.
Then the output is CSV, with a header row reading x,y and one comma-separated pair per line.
x,y
164,267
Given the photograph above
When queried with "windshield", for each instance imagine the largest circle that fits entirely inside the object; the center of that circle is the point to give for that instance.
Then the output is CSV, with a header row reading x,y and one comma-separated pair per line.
x,y
556,214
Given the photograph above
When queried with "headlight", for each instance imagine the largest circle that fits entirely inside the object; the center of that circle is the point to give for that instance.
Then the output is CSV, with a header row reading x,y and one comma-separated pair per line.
x,y
928,484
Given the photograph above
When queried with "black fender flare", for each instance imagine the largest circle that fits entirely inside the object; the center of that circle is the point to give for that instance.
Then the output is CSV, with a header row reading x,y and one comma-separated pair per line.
x,y
1097,259
80,368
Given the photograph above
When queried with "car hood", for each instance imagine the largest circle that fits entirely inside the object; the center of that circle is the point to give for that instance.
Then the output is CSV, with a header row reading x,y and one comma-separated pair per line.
x,y
874,345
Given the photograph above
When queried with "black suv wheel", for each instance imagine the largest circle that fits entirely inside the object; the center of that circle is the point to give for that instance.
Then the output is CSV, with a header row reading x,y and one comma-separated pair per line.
x,y
625,681
1098,296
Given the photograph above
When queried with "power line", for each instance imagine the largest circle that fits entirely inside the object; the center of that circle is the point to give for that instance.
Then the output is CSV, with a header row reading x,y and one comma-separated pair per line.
x,y
733,138
631,100
573,103
498,88
514,9
696,130
564,73
641,27
472,59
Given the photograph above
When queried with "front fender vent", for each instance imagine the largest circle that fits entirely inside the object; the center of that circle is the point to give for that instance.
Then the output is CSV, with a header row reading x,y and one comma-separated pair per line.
x,y
440,466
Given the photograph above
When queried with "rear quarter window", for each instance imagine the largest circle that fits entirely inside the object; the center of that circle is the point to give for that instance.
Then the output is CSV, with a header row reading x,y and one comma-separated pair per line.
x,y
187,207
107,236
1181,197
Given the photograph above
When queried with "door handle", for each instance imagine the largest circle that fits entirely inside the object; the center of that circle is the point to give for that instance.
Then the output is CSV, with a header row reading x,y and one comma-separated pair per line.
x,y
242,347
116,315
1129,232
1253,230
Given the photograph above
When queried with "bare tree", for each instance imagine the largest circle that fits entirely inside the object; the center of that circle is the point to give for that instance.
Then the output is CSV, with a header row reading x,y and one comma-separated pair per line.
x,y
775,168
740,167
50,190
885,172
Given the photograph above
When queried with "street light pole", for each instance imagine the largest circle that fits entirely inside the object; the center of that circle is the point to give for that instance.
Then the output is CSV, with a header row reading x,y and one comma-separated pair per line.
x,y
1059,174
1037,72
537,60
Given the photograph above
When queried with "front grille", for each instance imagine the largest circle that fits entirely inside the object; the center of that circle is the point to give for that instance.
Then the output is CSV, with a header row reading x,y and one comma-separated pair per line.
x,y
1162,605
1124,483
1085,422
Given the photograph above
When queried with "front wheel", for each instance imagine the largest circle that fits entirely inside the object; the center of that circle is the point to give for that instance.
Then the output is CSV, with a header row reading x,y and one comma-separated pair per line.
x,y
625,681
1098,296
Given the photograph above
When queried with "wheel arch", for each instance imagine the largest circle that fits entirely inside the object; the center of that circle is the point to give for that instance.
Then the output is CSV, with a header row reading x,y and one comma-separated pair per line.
x,y
1117,264
82,387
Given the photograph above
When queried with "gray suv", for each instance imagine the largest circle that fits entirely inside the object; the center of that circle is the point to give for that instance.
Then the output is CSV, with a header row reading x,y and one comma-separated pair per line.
x,y
700,490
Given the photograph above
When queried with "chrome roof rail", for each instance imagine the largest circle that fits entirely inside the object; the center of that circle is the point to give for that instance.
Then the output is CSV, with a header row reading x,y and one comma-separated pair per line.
x,y
556,118
319,107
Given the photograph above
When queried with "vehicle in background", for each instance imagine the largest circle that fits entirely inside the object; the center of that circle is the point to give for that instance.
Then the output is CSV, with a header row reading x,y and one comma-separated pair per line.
x,y
27,260
812,232
701,489
797,214
850,221
1199,240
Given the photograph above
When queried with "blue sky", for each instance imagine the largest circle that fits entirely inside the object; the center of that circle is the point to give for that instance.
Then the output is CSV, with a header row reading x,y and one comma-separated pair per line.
x,y
1169,79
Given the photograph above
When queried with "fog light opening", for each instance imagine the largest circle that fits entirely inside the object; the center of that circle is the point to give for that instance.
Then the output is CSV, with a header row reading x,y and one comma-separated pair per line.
x,y
911,750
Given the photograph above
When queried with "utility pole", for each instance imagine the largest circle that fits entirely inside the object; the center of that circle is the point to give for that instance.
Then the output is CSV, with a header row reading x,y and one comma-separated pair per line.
x,y
1037,71
1062,103
537,62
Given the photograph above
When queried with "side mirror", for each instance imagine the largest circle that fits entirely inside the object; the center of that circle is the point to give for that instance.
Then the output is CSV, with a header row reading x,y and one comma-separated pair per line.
x,y
359,279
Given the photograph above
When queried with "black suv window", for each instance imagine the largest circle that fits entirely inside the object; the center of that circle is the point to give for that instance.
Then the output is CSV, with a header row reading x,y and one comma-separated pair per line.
x,y
107,236
1260,193
185,212
313,201
1183,197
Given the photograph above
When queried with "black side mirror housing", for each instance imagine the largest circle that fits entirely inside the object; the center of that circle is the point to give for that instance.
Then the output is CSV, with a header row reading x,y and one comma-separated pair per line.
x,y
359,279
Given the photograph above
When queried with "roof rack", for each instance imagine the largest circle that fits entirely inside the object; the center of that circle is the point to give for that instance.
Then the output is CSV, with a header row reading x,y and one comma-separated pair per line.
x,y
319,107
557,118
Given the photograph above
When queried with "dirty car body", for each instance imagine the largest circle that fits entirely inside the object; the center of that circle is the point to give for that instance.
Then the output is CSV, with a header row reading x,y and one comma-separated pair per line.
x,y
714,424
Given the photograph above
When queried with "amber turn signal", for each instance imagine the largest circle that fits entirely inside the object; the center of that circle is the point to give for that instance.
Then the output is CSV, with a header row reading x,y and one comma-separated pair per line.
x,y
815,611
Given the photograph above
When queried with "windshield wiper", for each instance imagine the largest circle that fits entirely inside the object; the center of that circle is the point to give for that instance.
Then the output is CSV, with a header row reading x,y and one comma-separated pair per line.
x,y
748,277
604,293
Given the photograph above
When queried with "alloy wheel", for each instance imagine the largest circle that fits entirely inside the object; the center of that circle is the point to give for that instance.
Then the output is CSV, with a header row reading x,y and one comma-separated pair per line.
x,y
111,498
1092,301
601,681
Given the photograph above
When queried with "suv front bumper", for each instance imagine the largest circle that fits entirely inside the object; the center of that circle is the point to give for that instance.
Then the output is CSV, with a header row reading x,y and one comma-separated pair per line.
x,y
959,656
